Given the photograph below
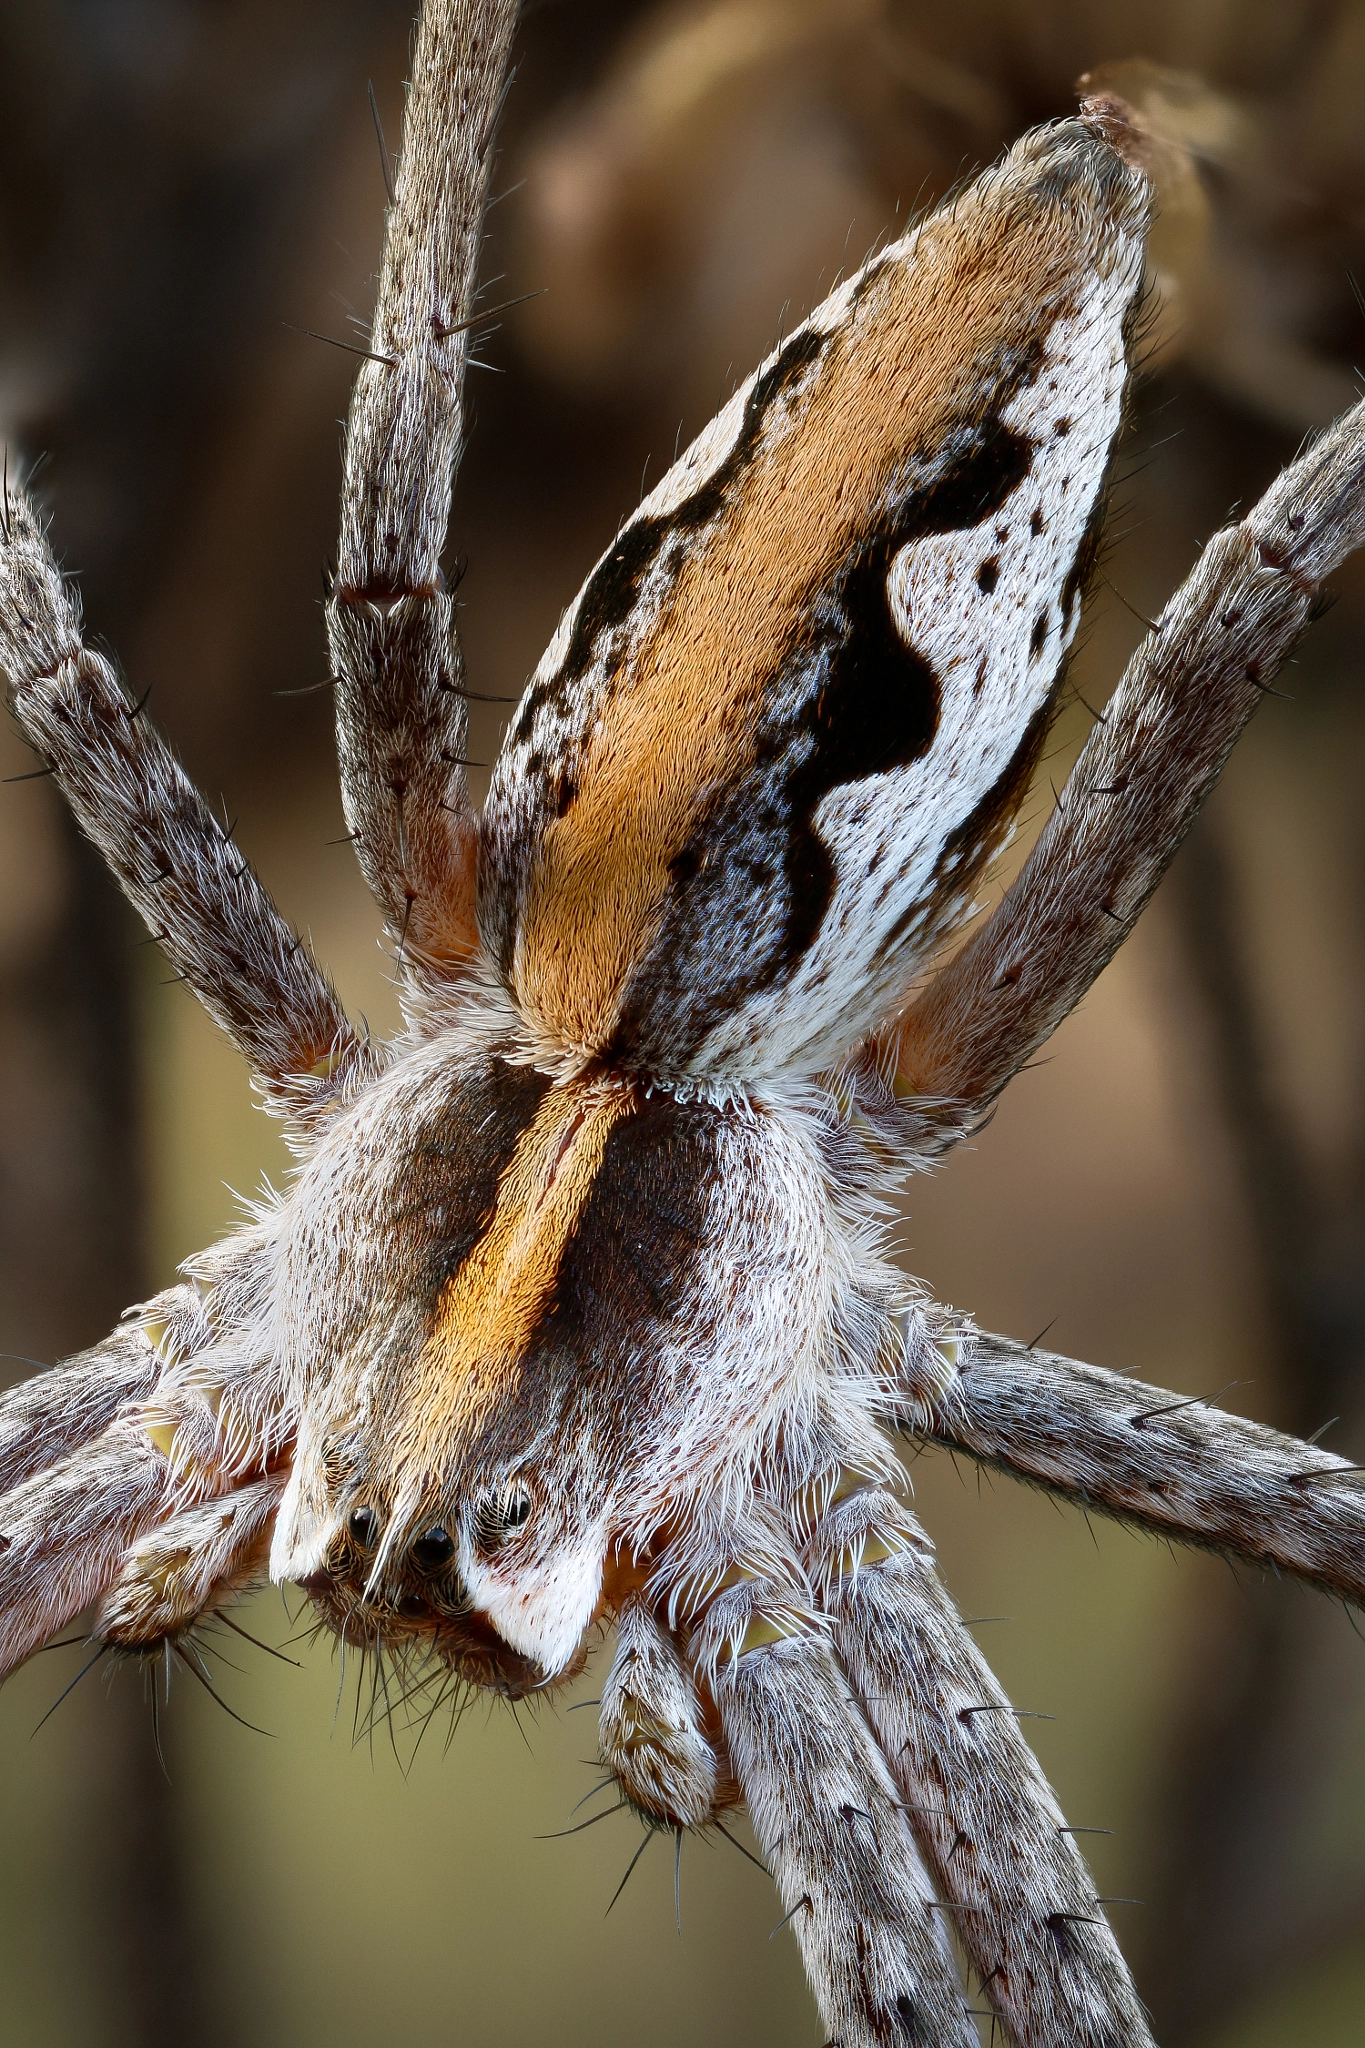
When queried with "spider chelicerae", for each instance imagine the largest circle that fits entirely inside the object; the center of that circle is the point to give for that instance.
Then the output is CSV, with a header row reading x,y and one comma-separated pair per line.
x,y
576,1312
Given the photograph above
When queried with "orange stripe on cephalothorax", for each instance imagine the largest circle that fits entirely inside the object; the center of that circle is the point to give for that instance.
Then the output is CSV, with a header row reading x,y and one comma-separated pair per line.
x,y
490,1309
906,365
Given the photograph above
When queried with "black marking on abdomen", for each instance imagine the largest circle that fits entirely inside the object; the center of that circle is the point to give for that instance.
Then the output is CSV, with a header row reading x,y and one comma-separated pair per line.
x,y
878,707
981,473
971,844
752,886
613,589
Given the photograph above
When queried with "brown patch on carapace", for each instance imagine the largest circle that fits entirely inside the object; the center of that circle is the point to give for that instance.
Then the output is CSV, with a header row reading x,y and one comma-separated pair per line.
x,y
491,1307
925,352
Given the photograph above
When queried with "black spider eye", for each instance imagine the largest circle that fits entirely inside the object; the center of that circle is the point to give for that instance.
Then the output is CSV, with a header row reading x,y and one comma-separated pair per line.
x,y
364,1528
496,1519
433,1548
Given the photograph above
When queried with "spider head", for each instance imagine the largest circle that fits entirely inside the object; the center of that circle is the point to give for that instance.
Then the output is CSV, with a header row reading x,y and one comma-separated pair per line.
x,y
414,1604
499,1576
532,1322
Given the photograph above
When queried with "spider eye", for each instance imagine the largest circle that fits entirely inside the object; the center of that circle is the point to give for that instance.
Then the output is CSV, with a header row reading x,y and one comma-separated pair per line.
x,y
364,1528
433,1548
496,1519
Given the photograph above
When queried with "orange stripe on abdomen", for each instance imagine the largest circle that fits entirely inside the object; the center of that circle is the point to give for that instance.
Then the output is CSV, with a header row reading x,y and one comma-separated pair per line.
x,y
921,358
489,1311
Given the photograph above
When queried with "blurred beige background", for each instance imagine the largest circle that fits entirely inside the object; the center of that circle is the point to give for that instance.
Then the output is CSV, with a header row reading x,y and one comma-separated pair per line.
x,y
1178,1191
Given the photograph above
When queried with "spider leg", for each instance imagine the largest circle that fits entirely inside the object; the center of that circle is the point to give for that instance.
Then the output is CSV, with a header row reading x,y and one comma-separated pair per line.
x,y
65,1532
93,1522
1141,777
173,860
831,1824
1178,1465
212,1418
44,1419
981,1810
651,1729
400,700
189,1565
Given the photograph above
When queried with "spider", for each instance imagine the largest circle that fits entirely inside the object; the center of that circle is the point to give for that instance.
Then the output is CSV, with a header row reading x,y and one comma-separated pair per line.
x,y
577,1312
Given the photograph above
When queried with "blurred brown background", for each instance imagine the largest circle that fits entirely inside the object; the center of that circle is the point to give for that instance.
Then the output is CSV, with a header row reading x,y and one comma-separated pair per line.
x,y
183,185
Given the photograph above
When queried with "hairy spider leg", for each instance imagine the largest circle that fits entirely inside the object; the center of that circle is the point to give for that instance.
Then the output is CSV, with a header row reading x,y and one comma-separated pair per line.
x,y
1146,768
984,1816
831,1824
401,705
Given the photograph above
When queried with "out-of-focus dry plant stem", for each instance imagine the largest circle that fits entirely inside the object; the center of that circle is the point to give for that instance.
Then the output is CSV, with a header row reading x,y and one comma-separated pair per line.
x,y
71,1236
124,149
738,149
1248,1757
74,995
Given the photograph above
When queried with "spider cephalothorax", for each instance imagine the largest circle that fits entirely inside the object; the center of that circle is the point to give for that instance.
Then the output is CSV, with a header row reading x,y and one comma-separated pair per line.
x,y
530,1324
576,1315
